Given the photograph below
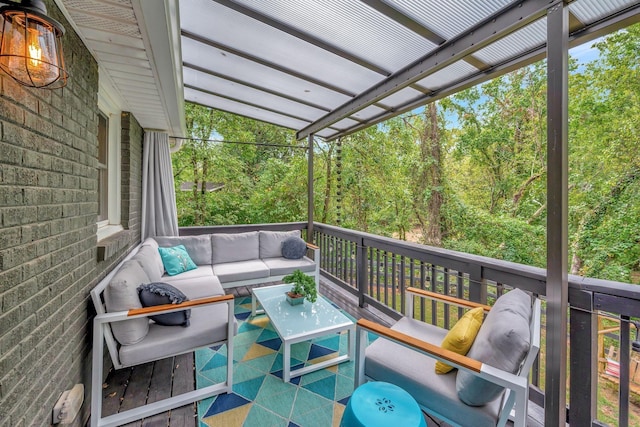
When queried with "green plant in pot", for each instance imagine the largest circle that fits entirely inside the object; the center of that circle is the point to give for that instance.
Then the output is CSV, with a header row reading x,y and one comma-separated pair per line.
x,y
303,287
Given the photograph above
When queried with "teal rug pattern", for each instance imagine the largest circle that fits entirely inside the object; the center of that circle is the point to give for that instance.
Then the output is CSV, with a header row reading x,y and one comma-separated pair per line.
x,y
260,398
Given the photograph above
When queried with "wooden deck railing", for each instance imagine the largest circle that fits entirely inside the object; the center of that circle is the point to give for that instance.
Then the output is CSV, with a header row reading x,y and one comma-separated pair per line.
x,y
378,269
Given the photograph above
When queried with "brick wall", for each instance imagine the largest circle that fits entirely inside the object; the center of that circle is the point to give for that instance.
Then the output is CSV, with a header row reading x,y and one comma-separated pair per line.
x,y
48,248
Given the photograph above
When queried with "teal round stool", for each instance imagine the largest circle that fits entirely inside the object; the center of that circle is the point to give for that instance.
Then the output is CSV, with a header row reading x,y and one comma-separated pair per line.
x,y
380,404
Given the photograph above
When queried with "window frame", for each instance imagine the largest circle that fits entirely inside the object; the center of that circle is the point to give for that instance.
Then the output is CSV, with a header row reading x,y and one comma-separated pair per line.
x,y
109,108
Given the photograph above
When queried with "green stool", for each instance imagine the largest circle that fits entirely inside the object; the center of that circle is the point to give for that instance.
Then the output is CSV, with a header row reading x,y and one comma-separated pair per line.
x,y
380,404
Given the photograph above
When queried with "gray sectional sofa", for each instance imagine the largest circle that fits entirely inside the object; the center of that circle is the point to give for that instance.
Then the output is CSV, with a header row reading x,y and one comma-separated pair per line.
x,y
221,261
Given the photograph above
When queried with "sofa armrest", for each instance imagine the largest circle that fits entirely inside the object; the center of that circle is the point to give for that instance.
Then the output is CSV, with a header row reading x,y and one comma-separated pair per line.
x,y
168,308
446,299
159,309
312,246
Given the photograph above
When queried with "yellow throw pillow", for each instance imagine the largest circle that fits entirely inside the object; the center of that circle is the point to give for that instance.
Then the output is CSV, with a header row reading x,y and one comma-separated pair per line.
x,y
461,336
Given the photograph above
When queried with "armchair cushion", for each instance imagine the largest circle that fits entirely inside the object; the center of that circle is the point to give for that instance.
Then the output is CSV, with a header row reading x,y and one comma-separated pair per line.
x,y
176,260
461,336
503,342
294,248
121,295
153,294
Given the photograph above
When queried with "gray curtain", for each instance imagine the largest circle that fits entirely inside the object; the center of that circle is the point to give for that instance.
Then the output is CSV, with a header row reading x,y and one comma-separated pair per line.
x,y
159,213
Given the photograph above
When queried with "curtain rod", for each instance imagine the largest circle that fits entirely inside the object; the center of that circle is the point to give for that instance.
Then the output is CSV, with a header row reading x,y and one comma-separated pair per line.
x,y
263,144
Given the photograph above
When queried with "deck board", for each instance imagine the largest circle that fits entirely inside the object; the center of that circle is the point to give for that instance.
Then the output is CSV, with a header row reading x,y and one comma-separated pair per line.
x,y
125,388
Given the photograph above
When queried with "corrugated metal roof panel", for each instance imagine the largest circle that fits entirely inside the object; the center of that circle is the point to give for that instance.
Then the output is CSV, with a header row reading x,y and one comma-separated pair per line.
x,y
232,90
230,28
521,41
588,11
449,18
450,74
351,26
223,104
228,64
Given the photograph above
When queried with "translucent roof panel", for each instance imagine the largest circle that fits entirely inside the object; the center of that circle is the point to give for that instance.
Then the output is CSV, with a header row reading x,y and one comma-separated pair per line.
x,y
228,64
449,18
452,73
331,67
401,97
230,28
588,11
351,26
241,109
521,41
368,113
235,91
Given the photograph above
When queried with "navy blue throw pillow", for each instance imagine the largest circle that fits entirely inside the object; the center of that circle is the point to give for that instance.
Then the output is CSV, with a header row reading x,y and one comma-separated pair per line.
x,y
154,294
294,248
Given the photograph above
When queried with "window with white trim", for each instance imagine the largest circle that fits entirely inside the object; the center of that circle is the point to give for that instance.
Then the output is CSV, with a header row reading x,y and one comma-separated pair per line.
x,y
109,175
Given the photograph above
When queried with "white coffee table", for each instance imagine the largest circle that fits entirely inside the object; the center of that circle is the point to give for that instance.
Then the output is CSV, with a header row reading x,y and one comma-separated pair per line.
x,y
302,322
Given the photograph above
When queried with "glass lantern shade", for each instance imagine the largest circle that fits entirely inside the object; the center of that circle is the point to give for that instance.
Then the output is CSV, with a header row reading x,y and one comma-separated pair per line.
x,y
30,48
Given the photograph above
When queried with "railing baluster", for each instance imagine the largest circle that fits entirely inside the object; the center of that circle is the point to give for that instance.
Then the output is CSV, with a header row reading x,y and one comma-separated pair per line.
x,y
434,305
460,291
378,274
402,283
423,278
445,291
393,282
624,356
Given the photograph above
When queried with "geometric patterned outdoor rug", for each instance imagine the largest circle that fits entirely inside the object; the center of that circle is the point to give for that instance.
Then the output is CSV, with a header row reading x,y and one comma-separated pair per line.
x,y
260,398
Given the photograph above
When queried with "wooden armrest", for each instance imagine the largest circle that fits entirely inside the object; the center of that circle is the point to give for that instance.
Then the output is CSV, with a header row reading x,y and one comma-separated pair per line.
x,y
424,346
312,246
448,299
186,304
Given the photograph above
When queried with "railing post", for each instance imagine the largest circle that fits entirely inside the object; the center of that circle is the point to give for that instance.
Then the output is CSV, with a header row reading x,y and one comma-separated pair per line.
x,y
583,382
361,268
477,284
310,189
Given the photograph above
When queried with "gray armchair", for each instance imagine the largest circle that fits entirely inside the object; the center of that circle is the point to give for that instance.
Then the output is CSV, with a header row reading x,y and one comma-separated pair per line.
x,y
489,382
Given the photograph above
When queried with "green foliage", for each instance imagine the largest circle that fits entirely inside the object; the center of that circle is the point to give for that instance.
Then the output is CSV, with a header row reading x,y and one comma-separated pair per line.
x,y
487,172
303,285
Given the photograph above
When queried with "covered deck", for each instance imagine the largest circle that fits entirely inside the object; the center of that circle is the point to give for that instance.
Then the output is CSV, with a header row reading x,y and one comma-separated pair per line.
x,y
366,276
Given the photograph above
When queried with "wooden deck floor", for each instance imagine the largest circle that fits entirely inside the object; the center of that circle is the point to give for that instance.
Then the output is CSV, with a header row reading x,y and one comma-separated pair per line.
x,y
131,387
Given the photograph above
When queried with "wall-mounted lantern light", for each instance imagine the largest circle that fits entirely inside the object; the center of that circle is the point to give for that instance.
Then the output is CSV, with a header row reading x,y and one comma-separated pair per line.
x,y
30,45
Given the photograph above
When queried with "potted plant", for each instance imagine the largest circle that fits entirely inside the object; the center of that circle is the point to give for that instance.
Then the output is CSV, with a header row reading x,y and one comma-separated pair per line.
x,y
303,287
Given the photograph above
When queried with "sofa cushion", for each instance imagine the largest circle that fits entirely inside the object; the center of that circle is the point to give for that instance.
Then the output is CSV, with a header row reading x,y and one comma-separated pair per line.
x,y
460,338
122,295
294,248
242,270
208,326
271,242
150,261
282,266
176,260
159,293
503,342
235,247
198,247
415,372
197,287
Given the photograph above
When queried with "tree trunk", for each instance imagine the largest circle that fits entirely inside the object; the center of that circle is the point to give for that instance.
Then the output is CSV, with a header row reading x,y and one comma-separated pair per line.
x,y
431,143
